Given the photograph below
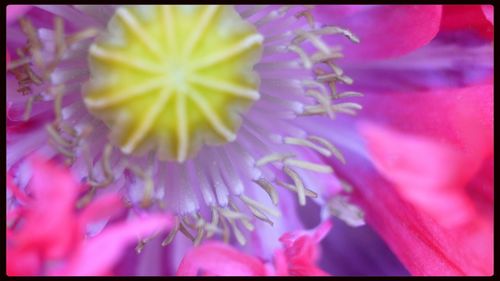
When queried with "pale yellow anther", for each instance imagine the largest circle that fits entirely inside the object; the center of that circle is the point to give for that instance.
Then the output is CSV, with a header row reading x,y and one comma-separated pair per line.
x,y
170,79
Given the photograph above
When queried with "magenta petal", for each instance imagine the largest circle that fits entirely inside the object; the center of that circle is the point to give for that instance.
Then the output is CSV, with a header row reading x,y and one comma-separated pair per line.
x,y
468,17
415,165
216,258
387,30
98,255
50,222
422,245
488,12
103,207
461,119
15,11
302,250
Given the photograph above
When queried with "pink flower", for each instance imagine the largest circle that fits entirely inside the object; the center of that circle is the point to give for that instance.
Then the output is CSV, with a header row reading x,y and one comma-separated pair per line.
x,y
423,72
47,236
298,256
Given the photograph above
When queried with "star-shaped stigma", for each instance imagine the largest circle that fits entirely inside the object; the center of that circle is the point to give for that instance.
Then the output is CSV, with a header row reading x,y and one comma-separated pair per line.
x,y
172,78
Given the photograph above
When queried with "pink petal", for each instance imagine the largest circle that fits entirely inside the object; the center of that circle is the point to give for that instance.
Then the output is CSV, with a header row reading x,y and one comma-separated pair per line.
x,y
301,250
18,194
104,207
16,11
53,186
422,245
431,175
280,263
98,255
216,258
488,12
467,17
462,118
50,224
386,30
23,263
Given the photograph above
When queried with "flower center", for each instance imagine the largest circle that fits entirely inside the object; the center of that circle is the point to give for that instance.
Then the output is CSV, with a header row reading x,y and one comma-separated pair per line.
x,y
168,79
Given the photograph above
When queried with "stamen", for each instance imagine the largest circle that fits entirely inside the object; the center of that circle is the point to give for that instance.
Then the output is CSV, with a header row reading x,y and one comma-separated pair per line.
x,y
293,188
303,56
306,14
332,30
334,77
18,63
274,157
29,107
349,213
246,222
349,94
58,93
324,100
346,107
34,42
269,188
237,233
144,241
81,36
213,224
303,35
170,237
306,143
329,146
272,16
225,229
259,206
309,166
186,233
299,184
57,137
324,57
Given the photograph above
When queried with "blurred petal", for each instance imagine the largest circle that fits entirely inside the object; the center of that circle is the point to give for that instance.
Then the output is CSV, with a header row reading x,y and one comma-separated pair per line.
x,y
220,259
16,11
50,223
450,124
387,30
422,245
98,255
468,17
302,250
488,12
103,207
22,263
